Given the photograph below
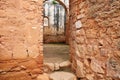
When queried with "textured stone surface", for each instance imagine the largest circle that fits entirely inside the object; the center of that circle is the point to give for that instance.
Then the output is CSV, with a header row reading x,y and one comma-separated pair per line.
x,y
57,66
62,76
96,67
94,46
20,39
49,67
18,31
80,69
43,77
65,64
15,76
94,40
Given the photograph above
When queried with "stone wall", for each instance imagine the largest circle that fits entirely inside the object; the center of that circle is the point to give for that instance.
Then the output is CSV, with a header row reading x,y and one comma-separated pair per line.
x,y
95,39
51,35
21,47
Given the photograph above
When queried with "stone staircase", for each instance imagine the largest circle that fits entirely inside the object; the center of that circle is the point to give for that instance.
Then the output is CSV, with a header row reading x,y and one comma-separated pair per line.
x,y
57,71
56,63
51,67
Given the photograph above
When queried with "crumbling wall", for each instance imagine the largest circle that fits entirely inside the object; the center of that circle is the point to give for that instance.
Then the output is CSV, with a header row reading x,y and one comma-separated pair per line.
x,y
21,35
95,39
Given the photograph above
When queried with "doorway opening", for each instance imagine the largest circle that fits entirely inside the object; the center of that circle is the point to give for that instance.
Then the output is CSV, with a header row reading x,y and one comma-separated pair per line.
x,y
56,51
54,21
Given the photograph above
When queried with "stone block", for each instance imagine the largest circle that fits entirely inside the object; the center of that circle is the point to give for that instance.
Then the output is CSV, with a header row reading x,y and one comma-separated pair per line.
x,y
57,66
78,24
80,72
50,66
82,49
80,40
96,67
65,64
62,76
113,68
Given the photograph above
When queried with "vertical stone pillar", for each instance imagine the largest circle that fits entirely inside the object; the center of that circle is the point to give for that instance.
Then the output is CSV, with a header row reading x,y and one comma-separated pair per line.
x,y
21,38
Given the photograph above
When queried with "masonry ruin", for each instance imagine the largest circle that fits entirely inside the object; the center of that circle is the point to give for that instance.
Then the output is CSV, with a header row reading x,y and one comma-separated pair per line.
x,y
93,33
95,38
21,39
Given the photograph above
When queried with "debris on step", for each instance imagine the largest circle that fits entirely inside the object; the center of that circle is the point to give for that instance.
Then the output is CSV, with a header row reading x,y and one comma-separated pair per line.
x,y
65,64
49,67
57,66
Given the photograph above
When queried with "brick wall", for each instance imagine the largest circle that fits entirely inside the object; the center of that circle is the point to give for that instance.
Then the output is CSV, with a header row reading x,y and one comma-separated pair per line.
x,y
21,30
95,39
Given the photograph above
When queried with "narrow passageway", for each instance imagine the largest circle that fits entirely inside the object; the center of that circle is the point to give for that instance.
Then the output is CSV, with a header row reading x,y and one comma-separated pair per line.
x,y
56,59
56,53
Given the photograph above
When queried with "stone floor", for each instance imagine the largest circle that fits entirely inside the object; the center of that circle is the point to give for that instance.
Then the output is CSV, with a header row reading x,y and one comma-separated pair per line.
x,y
56,63
57,76
56,58
56,53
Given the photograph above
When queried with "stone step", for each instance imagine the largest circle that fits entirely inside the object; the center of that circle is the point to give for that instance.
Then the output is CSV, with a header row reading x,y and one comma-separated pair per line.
x,y
62,76
50,67
58,75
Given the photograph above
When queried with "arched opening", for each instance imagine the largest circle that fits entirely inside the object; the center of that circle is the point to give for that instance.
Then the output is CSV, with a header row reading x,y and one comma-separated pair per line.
x,y
56,50
55,21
